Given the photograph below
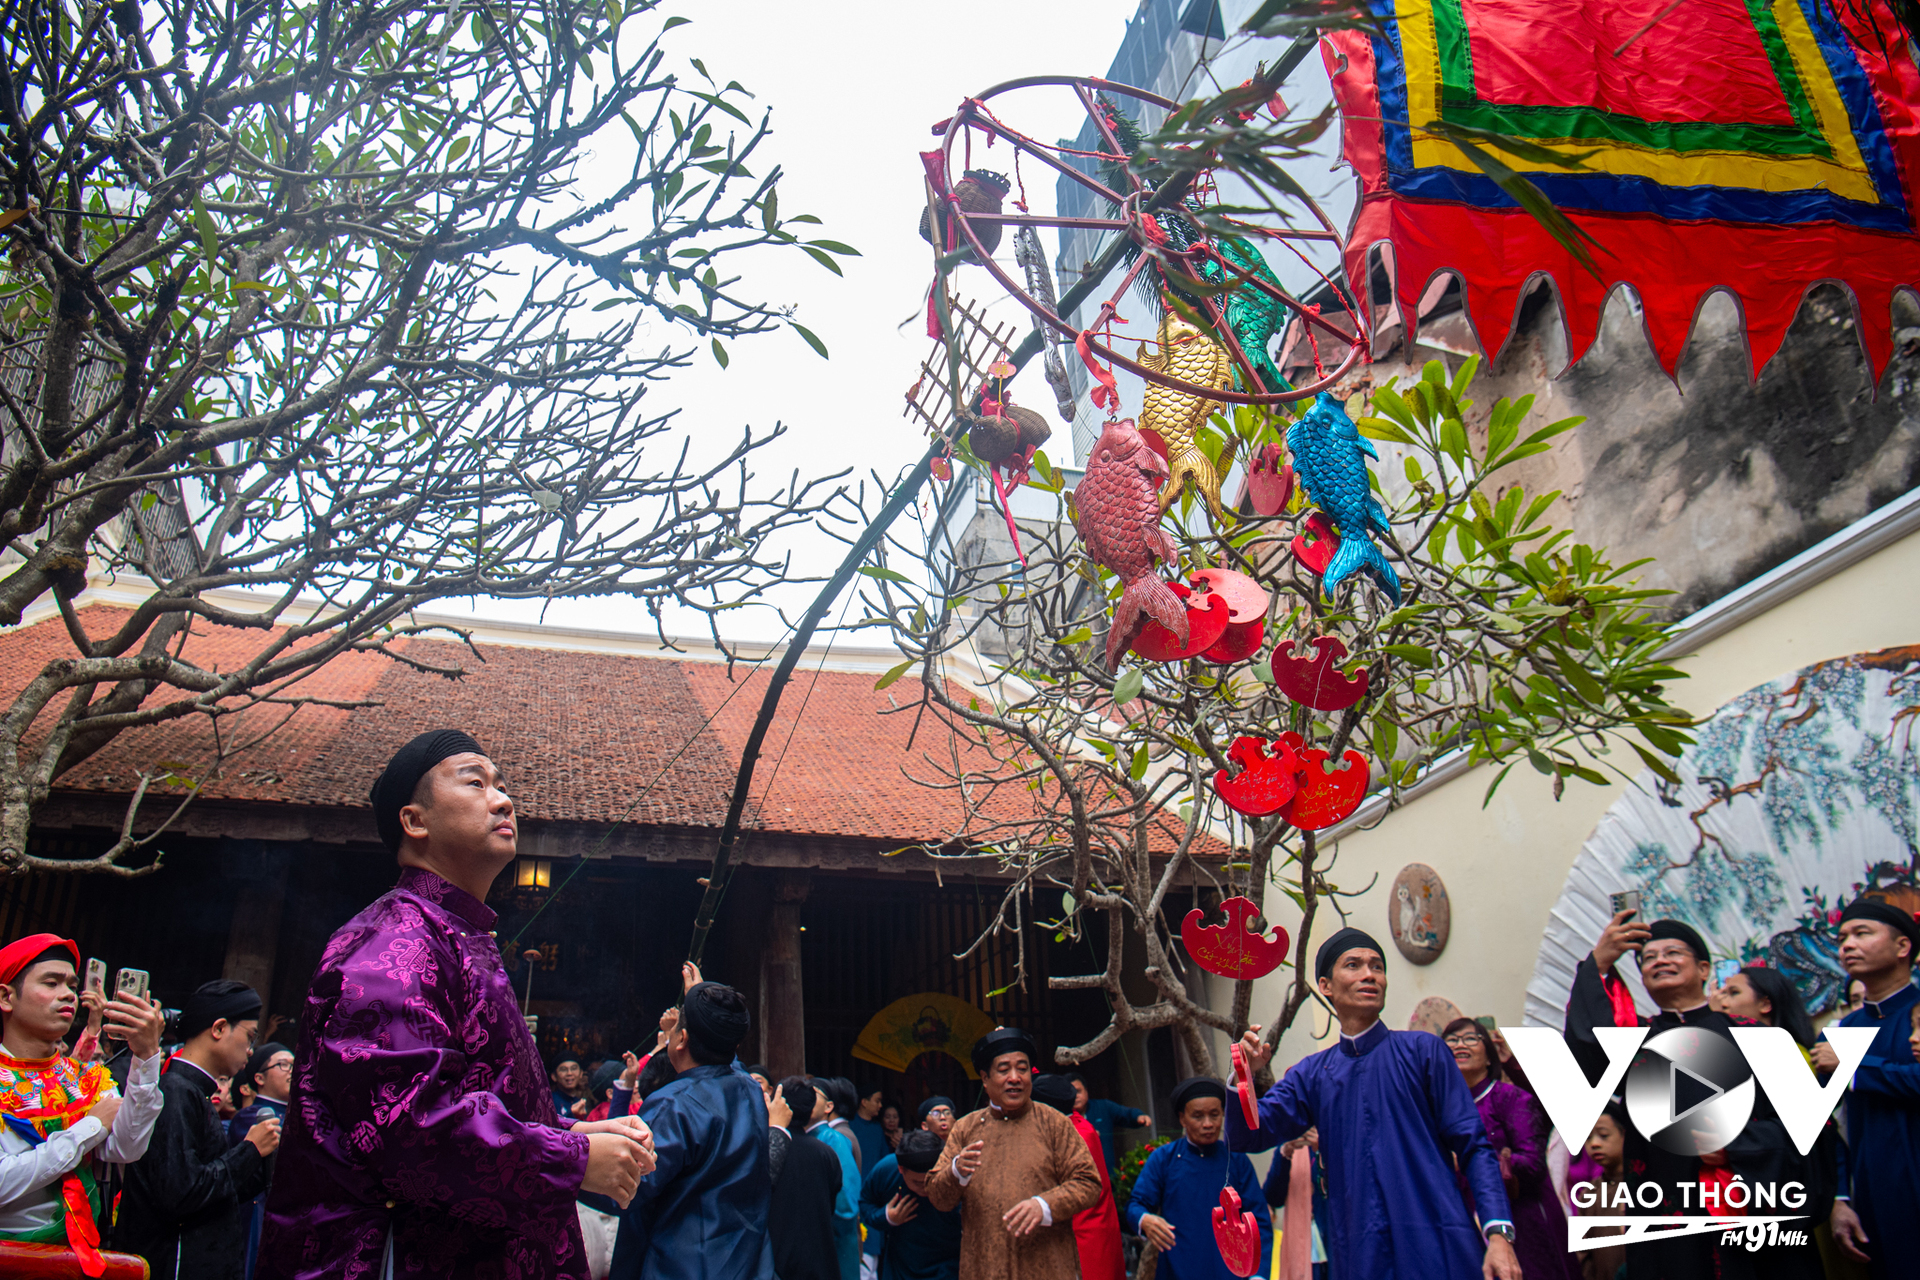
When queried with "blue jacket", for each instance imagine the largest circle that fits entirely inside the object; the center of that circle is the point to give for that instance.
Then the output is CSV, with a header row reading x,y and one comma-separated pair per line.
x,y
702,1213
1181,1183
925,1246
846,1206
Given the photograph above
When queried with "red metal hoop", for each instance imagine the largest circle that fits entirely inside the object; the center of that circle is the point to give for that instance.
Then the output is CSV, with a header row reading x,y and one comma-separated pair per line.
x,y
972,114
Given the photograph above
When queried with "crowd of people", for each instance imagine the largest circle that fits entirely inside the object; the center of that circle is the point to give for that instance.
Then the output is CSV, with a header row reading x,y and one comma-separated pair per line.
x,y
409,1129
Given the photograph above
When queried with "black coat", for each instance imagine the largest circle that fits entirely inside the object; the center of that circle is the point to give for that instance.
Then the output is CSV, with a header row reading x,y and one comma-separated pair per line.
x,y
800,1218
182,1207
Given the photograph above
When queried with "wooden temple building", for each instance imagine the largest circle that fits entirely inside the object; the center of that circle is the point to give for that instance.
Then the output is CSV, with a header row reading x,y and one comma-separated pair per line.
x,y
621,763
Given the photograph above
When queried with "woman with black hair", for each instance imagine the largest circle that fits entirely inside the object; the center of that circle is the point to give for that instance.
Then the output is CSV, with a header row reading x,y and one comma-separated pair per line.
x,y
1768,997
1517,1129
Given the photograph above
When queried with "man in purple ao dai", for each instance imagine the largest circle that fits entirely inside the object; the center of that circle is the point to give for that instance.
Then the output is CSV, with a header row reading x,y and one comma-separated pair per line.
x,y
420,1137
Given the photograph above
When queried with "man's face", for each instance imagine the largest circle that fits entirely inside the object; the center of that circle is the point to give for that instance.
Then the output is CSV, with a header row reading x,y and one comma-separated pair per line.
x,y
916,1182
233,1046
569,1077
40,1003
276,1080
1009,1081
822,1104
1872,946
1203,1119
1079,1095
870,1105
467,811
1357,983
1668,967
939,1122
766,1089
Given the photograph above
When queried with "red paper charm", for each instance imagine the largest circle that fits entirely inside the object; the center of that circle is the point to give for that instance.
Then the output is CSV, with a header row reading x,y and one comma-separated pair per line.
x,y
1269,480
1207,615
1246,599
1265,782
1234,949
1237,1232
1240,641
1243,1087
1325,796
1316,682
1316,552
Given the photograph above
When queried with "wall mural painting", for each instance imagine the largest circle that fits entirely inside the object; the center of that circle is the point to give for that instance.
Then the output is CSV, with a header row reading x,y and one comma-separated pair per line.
x,y
1799,795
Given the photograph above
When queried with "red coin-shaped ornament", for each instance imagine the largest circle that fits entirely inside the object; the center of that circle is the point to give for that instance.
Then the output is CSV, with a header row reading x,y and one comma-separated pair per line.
x,y
1268,777
1237,1232
1269,480
1243,1087
1234,949
1328,793
1246,599
1314,546
1207,615
1316,681
1240,641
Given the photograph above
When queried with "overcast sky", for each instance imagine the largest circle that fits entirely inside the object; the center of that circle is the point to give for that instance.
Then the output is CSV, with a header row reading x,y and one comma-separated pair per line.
x,y
855,86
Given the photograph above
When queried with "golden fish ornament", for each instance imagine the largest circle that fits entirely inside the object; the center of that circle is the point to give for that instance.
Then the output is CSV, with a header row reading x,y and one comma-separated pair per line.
x,y
1184,352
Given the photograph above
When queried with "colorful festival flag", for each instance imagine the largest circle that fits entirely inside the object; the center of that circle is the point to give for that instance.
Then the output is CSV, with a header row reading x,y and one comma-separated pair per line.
x,y
1752,146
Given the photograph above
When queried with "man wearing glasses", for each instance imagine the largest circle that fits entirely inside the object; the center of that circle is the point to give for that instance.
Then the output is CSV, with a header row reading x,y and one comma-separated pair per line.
x,y
269,1073
1674,968
936,1116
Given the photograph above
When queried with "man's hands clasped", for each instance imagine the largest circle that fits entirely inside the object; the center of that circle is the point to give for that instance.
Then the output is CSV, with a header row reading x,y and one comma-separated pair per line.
x,y
619,1154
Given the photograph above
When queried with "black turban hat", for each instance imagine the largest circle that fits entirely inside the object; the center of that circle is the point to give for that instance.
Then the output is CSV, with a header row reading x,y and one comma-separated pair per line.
x,y
1000,1041
1339,944
919,1151
1886,913
937,1100
711,1025
1055,1091
212,1001
393,790
1675,931
1197,1087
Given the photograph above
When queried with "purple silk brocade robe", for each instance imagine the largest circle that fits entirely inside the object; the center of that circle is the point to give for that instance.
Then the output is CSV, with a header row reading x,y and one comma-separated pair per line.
x,y
1514,1121
420,1109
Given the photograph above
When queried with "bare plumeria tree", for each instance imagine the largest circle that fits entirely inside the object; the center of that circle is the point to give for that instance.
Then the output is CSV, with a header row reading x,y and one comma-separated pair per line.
x,y
1511,643
311,301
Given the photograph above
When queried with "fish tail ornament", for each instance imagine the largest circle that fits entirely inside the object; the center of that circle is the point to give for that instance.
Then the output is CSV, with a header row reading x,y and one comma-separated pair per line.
x,y
1145,597
1357,554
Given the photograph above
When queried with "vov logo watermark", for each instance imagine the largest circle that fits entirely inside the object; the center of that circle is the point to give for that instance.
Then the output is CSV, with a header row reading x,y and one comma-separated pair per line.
x,y
1690,1092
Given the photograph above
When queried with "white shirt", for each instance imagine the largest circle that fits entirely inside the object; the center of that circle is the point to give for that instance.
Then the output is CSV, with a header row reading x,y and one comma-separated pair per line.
x,y
30,1175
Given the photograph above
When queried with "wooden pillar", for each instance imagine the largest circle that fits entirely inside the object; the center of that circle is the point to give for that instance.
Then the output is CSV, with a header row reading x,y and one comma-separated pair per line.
x,y
253,938
782,1007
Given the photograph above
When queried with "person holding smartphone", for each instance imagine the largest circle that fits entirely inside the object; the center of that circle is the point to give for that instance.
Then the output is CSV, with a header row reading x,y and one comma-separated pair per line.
x,y
61,1113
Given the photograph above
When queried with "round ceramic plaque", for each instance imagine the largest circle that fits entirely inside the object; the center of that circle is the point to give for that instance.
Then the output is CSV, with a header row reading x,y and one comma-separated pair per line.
x,y
1418,913
1433,1014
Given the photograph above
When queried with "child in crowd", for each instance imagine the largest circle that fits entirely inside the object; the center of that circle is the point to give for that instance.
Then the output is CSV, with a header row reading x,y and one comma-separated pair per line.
x,y
1599,1167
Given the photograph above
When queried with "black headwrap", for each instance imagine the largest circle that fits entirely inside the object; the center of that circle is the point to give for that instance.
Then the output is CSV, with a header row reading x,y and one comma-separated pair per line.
x,y
1003,1040
719,1031
1197,1087
1338,945
1886,913
1675,931
234,1001
393,790
1055,1091
937,1100
919,1151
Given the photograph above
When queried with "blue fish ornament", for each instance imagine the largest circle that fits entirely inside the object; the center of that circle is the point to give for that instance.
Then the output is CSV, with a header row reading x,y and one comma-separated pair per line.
x,y
1329,456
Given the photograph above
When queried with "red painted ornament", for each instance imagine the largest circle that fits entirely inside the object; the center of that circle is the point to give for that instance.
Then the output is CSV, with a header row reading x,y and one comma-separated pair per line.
x,y
1234,949
1269,480
1243,1087
1207,615
1316,552
1246,599
1316,682
1268,778
1326,795
1237,1232
1240,641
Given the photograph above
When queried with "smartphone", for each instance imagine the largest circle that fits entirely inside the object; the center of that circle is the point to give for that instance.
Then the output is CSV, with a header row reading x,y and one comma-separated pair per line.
x,y
132,981
1627,901
97,975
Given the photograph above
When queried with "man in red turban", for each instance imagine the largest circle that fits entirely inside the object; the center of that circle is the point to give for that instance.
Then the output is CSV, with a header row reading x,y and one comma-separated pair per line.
x,y
57,1114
